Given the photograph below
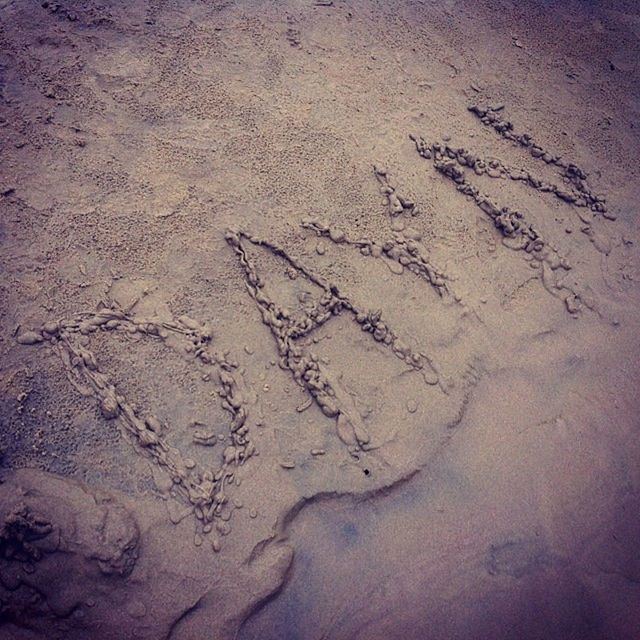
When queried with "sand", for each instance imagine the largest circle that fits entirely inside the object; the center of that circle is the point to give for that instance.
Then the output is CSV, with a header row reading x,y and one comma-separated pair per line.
x,y
319,319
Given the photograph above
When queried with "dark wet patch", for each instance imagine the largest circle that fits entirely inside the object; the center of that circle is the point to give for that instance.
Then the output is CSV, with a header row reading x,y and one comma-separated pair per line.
x,y
517,558
349,532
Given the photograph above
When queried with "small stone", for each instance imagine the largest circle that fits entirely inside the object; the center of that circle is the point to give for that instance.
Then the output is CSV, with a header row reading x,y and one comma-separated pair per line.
x,y
223,528
109,408
136,608
412,406
29,337
51,327
572,303
430,377
321,248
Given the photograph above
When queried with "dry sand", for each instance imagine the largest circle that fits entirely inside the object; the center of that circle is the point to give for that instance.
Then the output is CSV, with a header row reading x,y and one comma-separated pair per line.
x,y
319,320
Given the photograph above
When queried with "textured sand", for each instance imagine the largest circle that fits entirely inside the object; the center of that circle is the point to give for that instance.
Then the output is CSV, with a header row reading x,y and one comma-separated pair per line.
x,y
294,344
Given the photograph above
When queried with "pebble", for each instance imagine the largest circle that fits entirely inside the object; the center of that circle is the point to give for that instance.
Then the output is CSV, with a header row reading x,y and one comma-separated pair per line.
x,y
572,303
412,406
154,424
51,327
395,267
431,377
376,250
136,608
29,337
321,248
109,408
